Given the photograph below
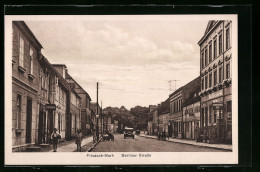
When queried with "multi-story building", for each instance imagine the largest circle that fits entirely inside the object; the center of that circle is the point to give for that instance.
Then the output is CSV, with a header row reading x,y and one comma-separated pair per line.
x,y
53,90
155,121
25,84
85,104
95,110
74,121
191,115
216,87
177,98
176,112
164,116
151,125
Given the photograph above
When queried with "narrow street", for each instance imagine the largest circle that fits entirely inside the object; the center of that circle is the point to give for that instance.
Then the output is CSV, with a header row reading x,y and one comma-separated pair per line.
x,y
141,144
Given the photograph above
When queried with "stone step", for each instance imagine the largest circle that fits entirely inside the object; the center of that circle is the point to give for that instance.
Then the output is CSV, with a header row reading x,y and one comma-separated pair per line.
x,y
33,149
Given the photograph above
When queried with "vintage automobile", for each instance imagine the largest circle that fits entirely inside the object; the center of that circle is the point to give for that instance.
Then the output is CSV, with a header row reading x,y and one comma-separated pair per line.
x,y
129,132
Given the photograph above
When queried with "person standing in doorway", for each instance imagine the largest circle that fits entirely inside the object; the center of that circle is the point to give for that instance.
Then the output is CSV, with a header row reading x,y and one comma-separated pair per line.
x,y
78,139
55,139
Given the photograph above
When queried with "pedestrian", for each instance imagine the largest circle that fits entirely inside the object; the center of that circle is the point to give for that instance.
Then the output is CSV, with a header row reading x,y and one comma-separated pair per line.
x,y
78,139
55,139
163,135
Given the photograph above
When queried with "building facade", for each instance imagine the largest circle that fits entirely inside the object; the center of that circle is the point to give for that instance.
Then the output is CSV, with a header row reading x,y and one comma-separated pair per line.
x,y
164,117
53,90
155,121
25,84
191,117
85,105
176,112
216,85
177,98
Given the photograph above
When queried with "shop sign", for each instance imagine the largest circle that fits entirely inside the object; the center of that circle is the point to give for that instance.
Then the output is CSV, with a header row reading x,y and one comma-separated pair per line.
x,y
50,107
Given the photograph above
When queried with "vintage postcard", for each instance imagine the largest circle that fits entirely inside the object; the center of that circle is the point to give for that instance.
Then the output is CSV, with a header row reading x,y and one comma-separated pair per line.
x,y
121,89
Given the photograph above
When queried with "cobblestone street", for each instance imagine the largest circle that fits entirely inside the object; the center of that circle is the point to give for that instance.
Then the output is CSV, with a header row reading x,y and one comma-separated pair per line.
x,y
141,144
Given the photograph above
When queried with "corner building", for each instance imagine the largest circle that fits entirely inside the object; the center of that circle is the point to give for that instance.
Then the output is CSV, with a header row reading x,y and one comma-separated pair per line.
x,y
216,82
25,84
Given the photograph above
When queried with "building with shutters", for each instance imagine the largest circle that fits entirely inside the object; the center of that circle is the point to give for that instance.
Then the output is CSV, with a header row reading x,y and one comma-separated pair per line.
x,y
53,90
25,84
216,82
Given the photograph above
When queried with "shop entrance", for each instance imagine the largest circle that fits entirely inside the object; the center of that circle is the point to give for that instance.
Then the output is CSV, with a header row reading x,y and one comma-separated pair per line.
x,y
28,121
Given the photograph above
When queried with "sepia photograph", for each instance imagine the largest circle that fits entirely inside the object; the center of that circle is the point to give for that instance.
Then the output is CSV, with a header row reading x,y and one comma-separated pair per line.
x,y
121,89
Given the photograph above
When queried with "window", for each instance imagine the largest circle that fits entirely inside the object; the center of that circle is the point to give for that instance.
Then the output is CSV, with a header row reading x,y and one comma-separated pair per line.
x,y
210,53
210,114
19,117
206,57
215,49
227,38
202,117
174,107
177,106
202,84
215,77
202,59
229,106
206,82
21,51
227,71
31,61
220,43
215,116
181,103
220,74
187,127
206,116
210,80
59,123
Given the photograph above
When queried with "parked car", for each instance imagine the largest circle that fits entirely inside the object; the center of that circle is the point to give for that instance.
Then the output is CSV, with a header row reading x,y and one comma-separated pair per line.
x,y
129,132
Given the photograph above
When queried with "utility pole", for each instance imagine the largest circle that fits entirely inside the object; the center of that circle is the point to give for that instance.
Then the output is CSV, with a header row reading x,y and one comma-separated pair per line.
x,y
97,114
170,84
101,122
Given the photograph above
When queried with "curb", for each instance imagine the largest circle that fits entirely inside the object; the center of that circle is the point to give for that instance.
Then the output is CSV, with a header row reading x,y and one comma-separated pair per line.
x,y
93,146
227,149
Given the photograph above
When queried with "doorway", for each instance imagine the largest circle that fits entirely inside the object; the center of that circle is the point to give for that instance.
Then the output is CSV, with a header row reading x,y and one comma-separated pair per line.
x,y
28,121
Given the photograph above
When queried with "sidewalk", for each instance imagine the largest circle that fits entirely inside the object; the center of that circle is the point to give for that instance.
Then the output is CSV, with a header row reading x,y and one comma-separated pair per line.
x,y
193,142
72,146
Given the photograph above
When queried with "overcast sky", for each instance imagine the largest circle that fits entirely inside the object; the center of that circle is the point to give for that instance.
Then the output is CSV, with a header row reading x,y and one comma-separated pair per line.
x,y
132,57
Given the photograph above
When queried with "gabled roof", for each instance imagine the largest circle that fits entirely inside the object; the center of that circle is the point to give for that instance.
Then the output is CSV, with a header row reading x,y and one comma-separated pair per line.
x,y
176,91
70,77
45,61
210,25
27,31
164,107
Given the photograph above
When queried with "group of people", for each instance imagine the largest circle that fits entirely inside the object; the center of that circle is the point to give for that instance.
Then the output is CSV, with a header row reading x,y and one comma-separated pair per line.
x,y
56,136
